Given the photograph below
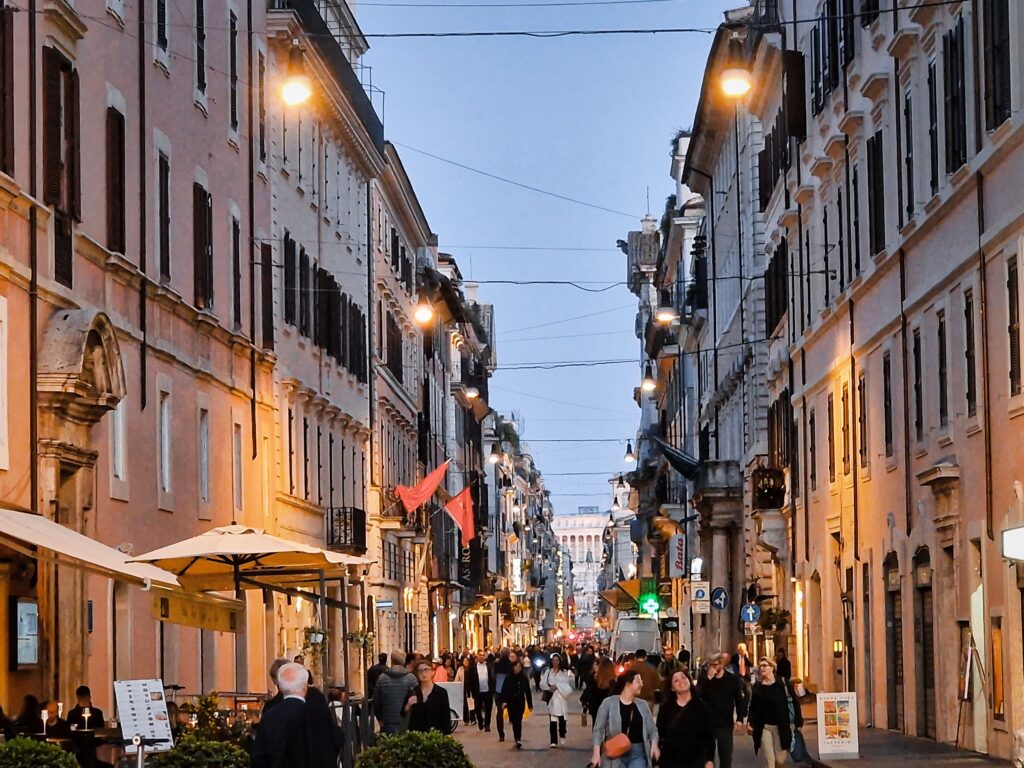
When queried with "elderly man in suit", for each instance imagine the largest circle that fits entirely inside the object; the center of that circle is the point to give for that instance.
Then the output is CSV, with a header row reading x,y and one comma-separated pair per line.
x,y
281,736
480,684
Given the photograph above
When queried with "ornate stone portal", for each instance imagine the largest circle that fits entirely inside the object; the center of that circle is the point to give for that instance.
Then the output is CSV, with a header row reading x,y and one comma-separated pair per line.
x,y
80,378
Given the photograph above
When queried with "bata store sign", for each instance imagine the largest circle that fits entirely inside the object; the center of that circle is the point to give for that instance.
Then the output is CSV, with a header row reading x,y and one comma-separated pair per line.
x,y
677,556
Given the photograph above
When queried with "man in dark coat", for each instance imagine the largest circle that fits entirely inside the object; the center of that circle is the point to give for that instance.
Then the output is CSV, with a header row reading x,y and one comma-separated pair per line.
x,y
324,738
281,737
480,683
374,672
723,692
390,693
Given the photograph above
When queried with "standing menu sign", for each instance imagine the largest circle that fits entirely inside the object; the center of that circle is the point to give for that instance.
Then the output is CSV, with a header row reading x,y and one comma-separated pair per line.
x,y
143,712
837,725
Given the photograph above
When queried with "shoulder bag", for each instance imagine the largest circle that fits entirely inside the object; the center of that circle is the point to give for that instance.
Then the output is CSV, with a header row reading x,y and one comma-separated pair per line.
x,y
619,744
546,695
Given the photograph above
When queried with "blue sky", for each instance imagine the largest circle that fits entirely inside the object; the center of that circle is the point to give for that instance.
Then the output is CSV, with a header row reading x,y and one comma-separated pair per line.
x,y
587,117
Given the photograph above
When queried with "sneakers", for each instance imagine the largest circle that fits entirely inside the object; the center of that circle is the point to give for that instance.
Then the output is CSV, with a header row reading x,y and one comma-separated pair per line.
x,y
501,738
519,745
552,746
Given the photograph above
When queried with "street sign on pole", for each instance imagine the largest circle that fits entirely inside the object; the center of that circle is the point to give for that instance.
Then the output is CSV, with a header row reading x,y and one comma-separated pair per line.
x,y
750,612
701,596
720,598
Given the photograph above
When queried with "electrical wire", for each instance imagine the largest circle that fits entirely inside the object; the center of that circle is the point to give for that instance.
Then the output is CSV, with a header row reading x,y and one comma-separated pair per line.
x,y
558,366
545,34
585,406
513,5
569,319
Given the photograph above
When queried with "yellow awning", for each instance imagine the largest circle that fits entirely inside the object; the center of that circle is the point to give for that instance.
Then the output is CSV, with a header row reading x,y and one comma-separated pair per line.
x,y
38,536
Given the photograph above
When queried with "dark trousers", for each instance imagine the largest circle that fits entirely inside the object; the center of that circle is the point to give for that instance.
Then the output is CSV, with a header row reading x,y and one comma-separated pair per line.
x,y
484,703
499,711
515,718
556,727
723,745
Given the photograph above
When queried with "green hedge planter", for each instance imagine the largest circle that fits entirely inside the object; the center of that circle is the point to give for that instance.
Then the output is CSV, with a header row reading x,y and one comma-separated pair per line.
x,y
415,750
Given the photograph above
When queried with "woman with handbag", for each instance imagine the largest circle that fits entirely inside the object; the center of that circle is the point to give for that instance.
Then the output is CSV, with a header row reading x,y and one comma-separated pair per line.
x,y
599,687
556,686
516,697
772,717
625,735
687,738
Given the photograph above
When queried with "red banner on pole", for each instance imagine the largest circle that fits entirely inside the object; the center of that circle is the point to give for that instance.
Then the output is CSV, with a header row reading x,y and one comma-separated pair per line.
x,y
416,496
461,510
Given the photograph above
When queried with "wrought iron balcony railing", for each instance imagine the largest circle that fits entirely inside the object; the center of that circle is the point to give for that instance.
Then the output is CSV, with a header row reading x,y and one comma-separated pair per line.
x,y
346,530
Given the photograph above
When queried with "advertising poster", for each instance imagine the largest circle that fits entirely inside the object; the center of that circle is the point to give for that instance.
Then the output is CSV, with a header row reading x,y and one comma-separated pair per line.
x,y
143,712
837,725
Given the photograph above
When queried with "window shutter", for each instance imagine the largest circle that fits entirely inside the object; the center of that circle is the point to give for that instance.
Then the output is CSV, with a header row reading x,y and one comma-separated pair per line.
x,y
908,151
74,139
53,108
289,279
199,238
933,128
267,293
164,214
1013,328
201,45
209,251
947,97
795,96
1002,60
115,180
161,24
7,90
63,253
236,271
815,69
303,292
971,392
345,341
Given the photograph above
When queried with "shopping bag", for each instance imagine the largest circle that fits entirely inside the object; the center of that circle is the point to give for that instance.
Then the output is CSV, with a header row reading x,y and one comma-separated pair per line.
x,y
798,749
527,711
470,704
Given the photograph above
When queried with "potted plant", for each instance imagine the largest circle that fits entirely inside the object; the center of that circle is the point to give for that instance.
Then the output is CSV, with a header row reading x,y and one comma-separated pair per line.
x,y
415,750
26,753
362,640
198,752
774,619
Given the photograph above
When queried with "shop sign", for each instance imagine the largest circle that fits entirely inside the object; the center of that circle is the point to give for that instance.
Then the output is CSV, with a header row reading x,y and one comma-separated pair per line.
x,y
516,576
838,736
179,609
677,556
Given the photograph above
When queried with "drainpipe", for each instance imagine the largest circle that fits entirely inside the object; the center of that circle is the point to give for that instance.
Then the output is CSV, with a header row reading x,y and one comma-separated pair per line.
x,y
908,511
854,449
370,360
33,246
713,279
251,111
983,309
143,177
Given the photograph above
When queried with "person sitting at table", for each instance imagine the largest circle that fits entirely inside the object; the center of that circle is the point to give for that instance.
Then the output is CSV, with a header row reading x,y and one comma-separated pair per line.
x,y
76,716
6,725
29,720
56,727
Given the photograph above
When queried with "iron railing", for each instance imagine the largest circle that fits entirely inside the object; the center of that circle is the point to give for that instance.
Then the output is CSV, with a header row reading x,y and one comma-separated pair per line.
x,y
346,529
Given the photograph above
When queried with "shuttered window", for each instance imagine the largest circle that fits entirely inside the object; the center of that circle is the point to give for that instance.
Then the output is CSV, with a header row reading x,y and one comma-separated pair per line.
x,y
971,384
908,152
1013,323
161,24
61,144
267,294
164,215
955,95
261,99
776,288
233,69
200,33
876,192
868,12
846,429
6,89
812,451
997,62
290,270
831,439
202,246
943,372
236,272
816,84
304,292
862,419
115,180
933,127
394,251
887,402
916,353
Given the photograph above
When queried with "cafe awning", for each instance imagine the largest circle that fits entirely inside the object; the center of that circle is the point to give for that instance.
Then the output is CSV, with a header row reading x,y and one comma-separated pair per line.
x,y
680,461
38,536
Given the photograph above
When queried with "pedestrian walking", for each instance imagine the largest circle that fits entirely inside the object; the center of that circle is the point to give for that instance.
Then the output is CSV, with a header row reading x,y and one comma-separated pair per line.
x,y
427,704
625,715
649,673
502,669
468,702
323,736
669,664
742,666
391,692
557,685
599,687
783,668
774,714
685,735
515,694
480,682
723,692
373,673
281,733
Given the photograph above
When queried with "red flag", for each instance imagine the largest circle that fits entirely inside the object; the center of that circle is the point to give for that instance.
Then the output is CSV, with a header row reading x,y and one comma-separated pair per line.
x,y
423,490
461,510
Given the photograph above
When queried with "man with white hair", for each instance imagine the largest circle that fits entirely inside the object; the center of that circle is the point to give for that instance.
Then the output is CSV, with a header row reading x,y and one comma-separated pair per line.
x,y
281,735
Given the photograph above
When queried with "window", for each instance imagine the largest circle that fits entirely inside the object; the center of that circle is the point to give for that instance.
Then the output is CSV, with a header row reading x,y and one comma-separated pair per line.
x,y
933,128
7,89
115,180
812,451
164,215
165,441
290,292
233,69
236,453
855,182
204,455
831,426
862,419
876,193
291,451
61,157
868,12
395,347
918,386
201,46
305,457
1013,324
998,683
261,104
997,62
955,95
943,373
117,432
202,246
776,288
887,402
305,294
161,25
267,293
236,272
971,384
846,429
908,152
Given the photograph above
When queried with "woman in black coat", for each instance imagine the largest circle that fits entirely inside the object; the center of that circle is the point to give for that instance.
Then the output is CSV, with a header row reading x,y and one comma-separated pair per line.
x,y
427,704
772,715
685,734
515,693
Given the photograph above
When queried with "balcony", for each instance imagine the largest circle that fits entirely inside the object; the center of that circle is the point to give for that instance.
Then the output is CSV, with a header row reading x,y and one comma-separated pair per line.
x,y
346,530
401,523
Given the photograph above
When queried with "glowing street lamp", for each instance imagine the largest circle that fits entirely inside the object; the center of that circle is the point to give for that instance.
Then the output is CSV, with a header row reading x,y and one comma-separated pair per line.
x,y
495,456
630,457
297,87
648,384
424,312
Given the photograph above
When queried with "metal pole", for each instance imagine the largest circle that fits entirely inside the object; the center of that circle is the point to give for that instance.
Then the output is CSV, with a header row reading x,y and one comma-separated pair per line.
x,y
344,630
323,627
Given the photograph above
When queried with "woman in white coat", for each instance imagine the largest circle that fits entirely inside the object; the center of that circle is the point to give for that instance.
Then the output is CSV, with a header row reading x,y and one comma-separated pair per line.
x,y
559,684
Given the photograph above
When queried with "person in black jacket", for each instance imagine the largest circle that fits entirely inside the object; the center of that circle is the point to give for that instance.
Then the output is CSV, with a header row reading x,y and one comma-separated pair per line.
x,y
480,684
281,734
723,692
324,738
427,705
774,712
502,669
686,739
515,693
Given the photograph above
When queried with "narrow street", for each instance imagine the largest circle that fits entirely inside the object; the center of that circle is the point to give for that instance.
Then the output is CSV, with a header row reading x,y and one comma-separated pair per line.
x,y
486,751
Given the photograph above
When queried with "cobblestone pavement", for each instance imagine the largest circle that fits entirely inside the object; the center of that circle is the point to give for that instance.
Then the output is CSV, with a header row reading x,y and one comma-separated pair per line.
x,y
486,752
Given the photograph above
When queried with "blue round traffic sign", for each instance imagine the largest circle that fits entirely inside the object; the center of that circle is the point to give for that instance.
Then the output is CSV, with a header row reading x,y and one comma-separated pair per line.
x,y
720,598
750,612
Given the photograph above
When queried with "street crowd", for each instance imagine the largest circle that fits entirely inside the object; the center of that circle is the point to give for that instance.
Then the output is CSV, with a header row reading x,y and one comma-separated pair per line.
x,y
643,710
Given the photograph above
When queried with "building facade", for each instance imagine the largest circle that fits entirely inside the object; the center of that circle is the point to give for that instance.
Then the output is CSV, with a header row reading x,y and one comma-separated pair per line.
x,y
582,535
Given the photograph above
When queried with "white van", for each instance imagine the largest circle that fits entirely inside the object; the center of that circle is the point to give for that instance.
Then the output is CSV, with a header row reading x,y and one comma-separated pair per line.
x,y
632,633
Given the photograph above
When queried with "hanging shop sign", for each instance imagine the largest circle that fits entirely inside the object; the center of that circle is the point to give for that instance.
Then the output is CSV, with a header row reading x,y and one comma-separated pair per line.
x,y
677,557
838,736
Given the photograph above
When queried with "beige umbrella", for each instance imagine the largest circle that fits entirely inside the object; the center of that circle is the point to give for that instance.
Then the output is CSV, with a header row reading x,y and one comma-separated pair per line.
x,y
218,559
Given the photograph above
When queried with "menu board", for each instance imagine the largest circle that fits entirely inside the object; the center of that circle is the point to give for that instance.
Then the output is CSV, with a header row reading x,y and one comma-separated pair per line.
x,y
837,725
142,711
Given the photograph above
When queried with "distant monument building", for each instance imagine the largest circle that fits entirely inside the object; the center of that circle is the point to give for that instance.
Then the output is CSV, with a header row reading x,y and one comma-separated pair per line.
x,y
581,535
